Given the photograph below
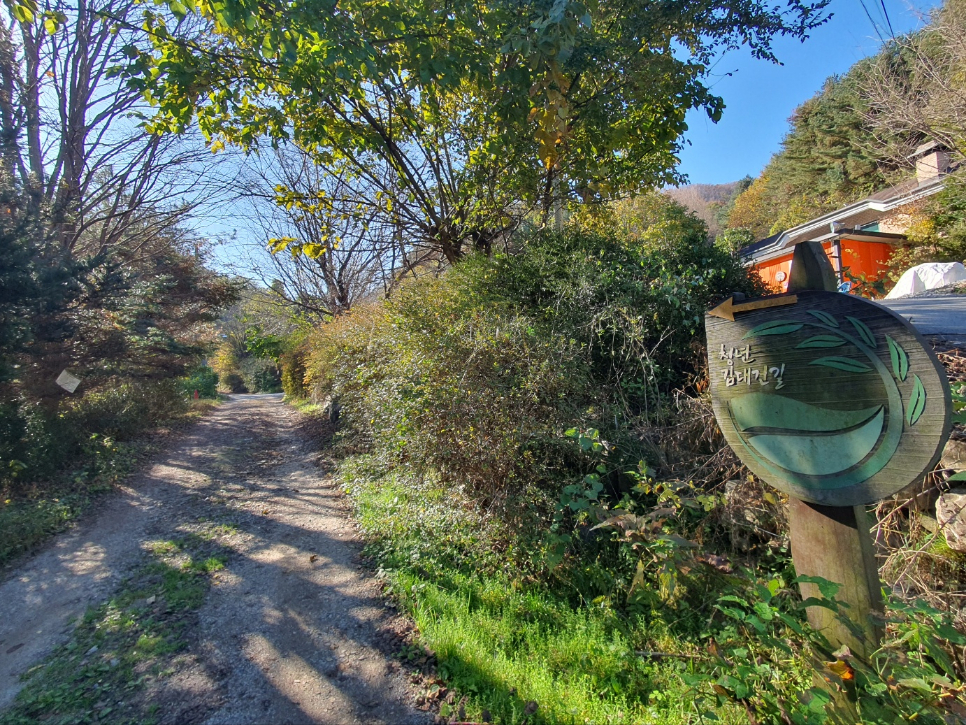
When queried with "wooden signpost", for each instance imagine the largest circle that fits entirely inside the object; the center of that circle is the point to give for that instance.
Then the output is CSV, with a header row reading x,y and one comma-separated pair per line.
x,y
838,402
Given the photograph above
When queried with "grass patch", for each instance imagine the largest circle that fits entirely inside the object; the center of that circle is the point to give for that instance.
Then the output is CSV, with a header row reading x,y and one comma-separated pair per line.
x,y
26,522
506,643
121,646
506,648
306,406
30,517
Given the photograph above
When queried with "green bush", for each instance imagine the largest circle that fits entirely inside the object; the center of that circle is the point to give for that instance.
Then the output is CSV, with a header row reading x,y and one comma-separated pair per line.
x,y
635,306
36,441
293,363
202,380
475,395
232,383
476,375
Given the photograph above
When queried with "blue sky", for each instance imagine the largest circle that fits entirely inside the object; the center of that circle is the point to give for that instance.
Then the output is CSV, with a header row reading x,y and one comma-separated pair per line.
x,y
760,96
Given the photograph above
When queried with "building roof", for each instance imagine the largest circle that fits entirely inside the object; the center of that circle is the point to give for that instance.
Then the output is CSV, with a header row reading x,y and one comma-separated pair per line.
x,y
851,218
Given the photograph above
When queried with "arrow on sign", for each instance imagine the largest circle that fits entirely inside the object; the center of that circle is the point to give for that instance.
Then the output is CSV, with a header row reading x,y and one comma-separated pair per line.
x,y
728,309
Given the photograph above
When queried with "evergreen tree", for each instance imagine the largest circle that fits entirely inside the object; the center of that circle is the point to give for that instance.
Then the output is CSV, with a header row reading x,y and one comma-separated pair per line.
x,y
832,155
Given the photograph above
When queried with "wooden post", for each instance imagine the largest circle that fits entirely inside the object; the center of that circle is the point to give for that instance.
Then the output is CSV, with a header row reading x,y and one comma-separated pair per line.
x,y
834,542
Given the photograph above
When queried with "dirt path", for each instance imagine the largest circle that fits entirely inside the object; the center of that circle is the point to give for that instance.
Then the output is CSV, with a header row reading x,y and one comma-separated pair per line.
x,y
292,630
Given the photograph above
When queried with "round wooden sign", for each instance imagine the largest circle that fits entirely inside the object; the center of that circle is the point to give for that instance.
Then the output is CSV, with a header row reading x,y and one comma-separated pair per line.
x,y
828,397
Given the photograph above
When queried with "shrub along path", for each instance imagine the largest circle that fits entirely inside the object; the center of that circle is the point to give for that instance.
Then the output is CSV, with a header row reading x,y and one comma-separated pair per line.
x,y
221,586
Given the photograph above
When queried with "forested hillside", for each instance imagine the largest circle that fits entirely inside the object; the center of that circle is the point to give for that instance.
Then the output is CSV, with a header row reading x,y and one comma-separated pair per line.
x,y
711,203
833,154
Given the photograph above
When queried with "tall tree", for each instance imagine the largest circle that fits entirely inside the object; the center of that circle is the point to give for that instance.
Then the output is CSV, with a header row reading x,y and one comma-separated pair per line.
x,y
339,248
917,85
474,109
71,134
102,275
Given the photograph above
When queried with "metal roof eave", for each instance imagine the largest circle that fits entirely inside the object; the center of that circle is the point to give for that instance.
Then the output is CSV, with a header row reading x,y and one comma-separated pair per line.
x,y
868,204
845,234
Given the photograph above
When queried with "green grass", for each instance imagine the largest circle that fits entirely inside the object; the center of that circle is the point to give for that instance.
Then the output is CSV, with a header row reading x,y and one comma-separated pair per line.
x,y
572,646
503,641
125,643
306,407
505,648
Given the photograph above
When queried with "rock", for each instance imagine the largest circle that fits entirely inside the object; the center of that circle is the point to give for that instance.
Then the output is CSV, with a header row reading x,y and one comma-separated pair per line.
x,y
954,455
951,515
928,522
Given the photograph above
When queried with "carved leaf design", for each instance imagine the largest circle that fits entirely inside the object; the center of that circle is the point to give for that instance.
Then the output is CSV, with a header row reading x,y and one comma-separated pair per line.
x,y
824,317
775,327
900,361
917,401
864,332
842,363
822,341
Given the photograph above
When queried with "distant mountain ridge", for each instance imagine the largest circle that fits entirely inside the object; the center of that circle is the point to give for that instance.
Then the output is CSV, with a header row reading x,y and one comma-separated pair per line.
x,y
704,200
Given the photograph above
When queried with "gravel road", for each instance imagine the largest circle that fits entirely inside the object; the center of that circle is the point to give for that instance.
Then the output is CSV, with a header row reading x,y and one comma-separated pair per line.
x,y
293,630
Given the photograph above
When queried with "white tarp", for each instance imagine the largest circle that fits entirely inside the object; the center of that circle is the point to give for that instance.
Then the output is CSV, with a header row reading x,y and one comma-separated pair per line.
x,y
925,277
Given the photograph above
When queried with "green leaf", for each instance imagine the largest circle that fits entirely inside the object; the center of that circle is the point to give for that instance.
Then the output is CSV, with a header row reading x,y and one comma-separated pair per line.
x,y
917,401
828,588
764,611
864,332
961,476
177,9
824,317
842,363
822,341
732,612
775,327
24,12
736,686
796,627
916,683
900,361
755,622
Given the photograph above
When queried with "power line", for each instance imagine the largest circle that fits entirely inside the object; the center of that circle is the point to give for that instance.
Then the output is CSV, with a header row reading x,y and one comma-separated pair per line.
x,y
885,13
875,25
